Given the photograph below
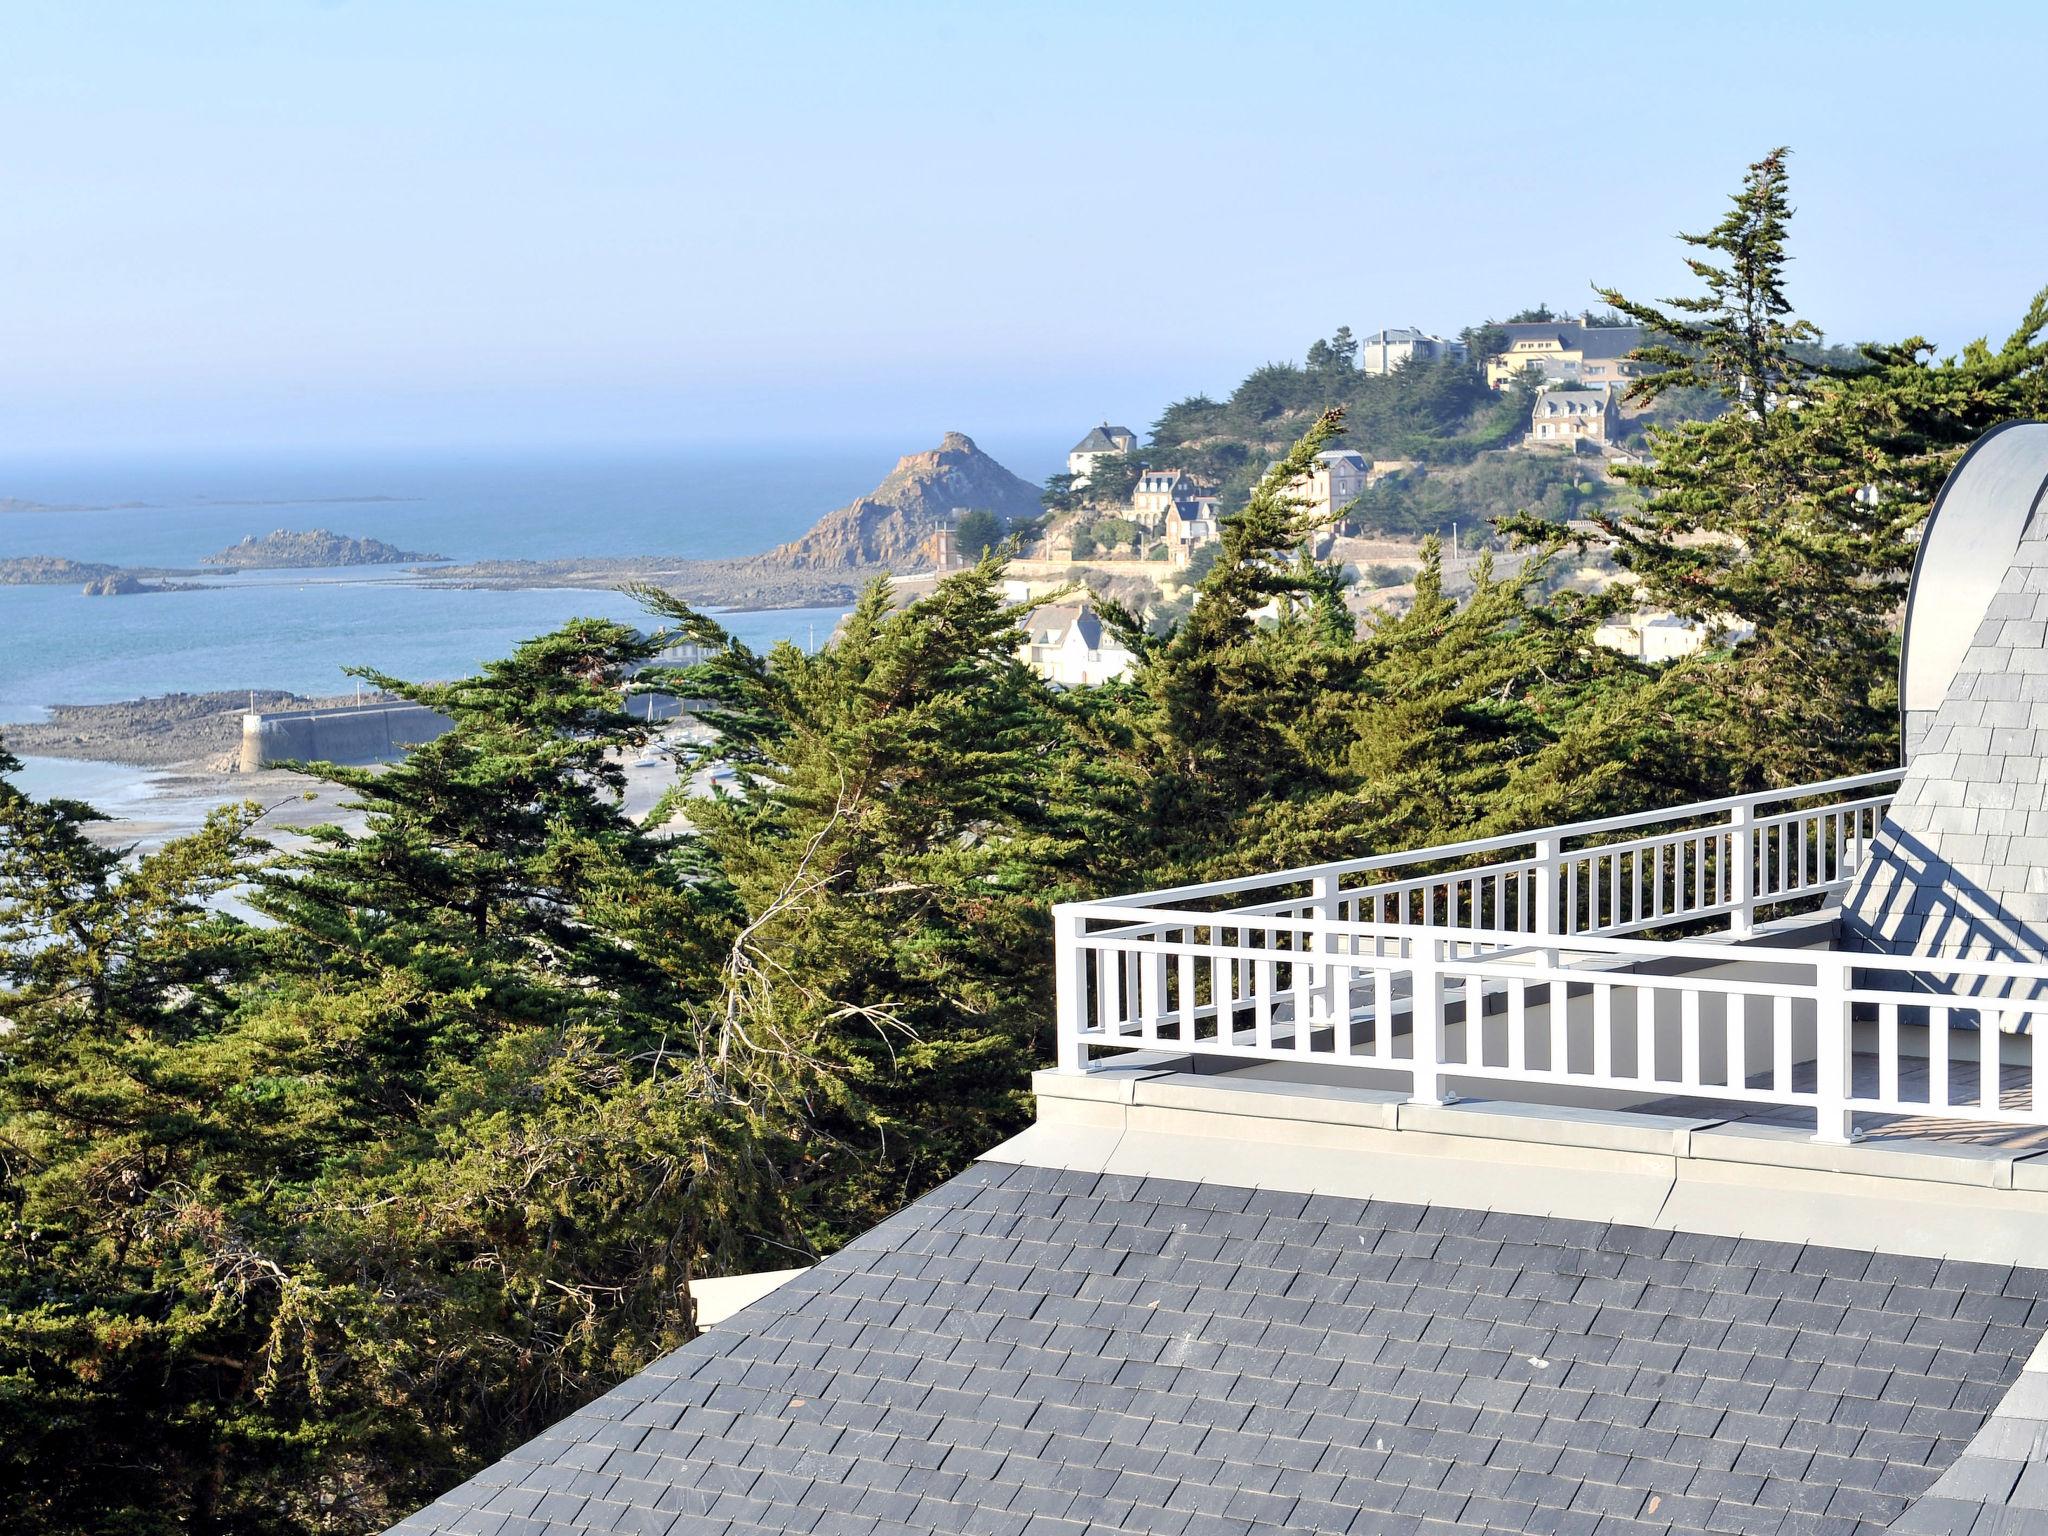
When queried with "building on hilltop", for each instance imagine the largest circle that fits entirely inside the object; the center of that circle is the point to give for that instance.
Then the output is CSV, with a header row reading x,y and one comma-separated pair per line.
x,y
1568,417
1160,491
1629,1176
1099,441
1068,645
1567,353
1384,351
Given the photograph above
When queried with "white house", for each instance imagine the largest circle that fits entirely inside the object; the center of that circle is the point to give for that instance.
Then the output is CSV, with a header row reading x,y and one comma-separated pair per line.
x,y
1100,440
1068,646
1384,351
1658,637
1566,417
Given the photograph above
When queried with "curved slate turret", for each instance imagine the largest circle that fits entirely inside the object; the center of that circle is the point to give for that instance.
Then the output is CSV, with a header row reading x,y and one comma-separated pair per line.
x,y
1961,865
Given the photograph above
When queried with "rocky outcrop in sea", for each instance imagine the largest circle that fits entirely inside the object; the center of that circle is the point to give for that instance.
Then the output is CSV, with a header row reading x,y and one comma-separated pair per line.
x,y
287,549
926,491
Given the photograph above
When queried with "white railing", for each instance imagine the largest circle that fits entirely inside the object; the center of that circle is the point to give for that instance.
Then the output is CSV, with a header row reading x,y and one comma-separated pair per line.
x,y
1521,960
1729,858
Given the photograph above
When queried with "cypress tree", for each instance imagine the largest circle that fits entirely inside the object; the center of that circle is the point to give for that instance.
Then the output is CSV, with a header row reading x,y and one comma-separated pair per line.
x,y
1795,509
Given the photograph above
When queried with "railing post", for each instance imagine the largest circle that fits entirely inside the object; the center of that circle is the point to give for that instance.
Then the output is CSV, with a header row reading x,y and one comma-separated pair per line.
x,y
1426,1017
1325,902
1069,987
1742,869
1834,1050
1547,893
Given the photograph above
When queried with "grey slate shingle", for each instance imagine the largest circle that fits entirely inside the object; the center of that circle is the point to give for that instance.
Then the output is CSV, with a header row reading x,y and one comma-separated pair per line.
x,y
1028,1351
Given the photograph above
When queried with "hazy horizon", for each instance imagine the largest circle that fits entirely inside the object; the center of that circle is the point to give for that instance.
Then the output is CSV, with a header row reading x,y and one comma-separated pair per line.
x,y
370,227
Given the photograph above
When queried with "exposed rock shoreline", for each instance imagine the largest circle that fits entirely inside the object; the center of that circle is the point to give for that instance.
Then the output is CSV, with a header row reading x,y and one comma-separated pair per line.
x,y
197,731
56,571
748,583
286,549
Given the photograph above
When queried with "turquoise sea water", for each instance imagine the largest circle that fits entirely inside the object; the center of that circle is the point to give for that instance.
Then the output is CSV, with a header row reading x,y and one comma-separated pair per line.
x,y
298,629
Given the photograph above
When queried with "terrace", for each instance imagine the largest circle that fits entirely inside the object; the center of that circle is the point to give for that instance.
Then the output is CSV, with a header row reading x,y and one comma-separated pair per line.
x,y
1688,960
1860,957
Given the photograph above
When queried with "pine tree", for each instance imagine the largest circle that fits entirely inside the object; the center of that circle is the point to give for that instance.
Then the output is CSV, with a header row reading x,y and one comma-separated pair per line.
x,y
910,805
142,1302
1264,731
1794,511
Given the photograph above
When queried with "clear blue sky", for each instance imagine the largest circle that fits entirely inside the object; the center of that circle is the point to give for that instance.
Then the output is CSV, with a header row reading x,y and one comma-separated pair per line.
x,y
420,222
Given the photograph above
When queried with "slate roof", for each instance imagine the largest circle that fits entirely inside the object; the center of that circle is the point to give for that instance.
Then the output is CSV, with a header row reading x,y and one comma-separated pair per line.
x,y
1956,868
1102,439
1575,400
1058,619
1596,341
1028,1352
1999,1485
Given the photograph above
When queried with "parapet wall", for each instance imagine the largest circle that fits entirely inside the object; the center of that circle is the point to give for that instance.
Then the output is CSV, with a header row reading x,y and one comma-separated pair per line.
x,y
373,733
346,733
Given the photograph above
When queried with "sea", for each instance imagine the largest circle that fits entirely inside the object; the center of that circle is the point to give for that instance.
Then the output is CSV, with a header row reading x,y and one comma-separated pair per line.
x,y
300,629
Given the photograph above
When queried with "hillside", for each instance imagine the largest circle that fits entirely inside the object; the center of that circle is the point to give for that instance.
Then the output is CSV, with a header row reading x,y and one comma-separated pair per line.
x,y
922,493
1437,413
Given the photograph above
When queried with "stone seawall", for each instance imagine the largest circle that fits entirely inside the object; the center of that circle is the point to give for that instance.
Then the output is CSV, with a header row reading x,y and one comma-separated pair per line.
x,y
347,733
370,733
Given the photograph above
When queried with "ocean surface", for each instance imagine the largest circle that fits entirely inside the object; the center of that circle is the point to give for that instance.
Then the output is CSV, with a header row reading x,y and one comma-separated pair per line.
x,y
299,629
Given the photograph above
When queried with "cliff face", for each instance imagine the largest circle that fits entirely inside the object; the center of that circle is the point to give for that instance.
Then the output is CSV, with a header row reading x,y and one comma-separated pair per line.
x,y
889,524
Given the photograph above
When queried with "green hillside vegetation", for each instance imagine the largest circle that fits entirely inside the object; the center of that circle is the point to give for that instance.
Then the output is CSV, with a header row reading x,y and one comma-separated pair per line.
x,y
1438,412
1552,486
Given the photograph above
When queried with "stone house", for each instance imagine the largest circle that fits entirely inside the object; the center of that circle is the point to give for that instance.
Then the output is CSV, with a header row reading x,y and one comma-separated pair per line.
x,y
1339,477
1569,417
1157,493
1189,528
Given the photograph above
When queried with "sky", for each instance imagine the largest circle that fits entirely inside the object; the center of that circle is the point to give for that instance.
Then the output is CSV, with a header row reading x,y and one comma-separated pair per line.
x,y
240,224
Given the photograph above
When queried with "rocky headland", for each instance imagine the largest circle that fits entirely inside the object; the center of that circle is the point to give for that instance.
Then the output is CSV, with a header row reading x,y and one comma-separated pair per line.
x,y
287,549
887,529
891,524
